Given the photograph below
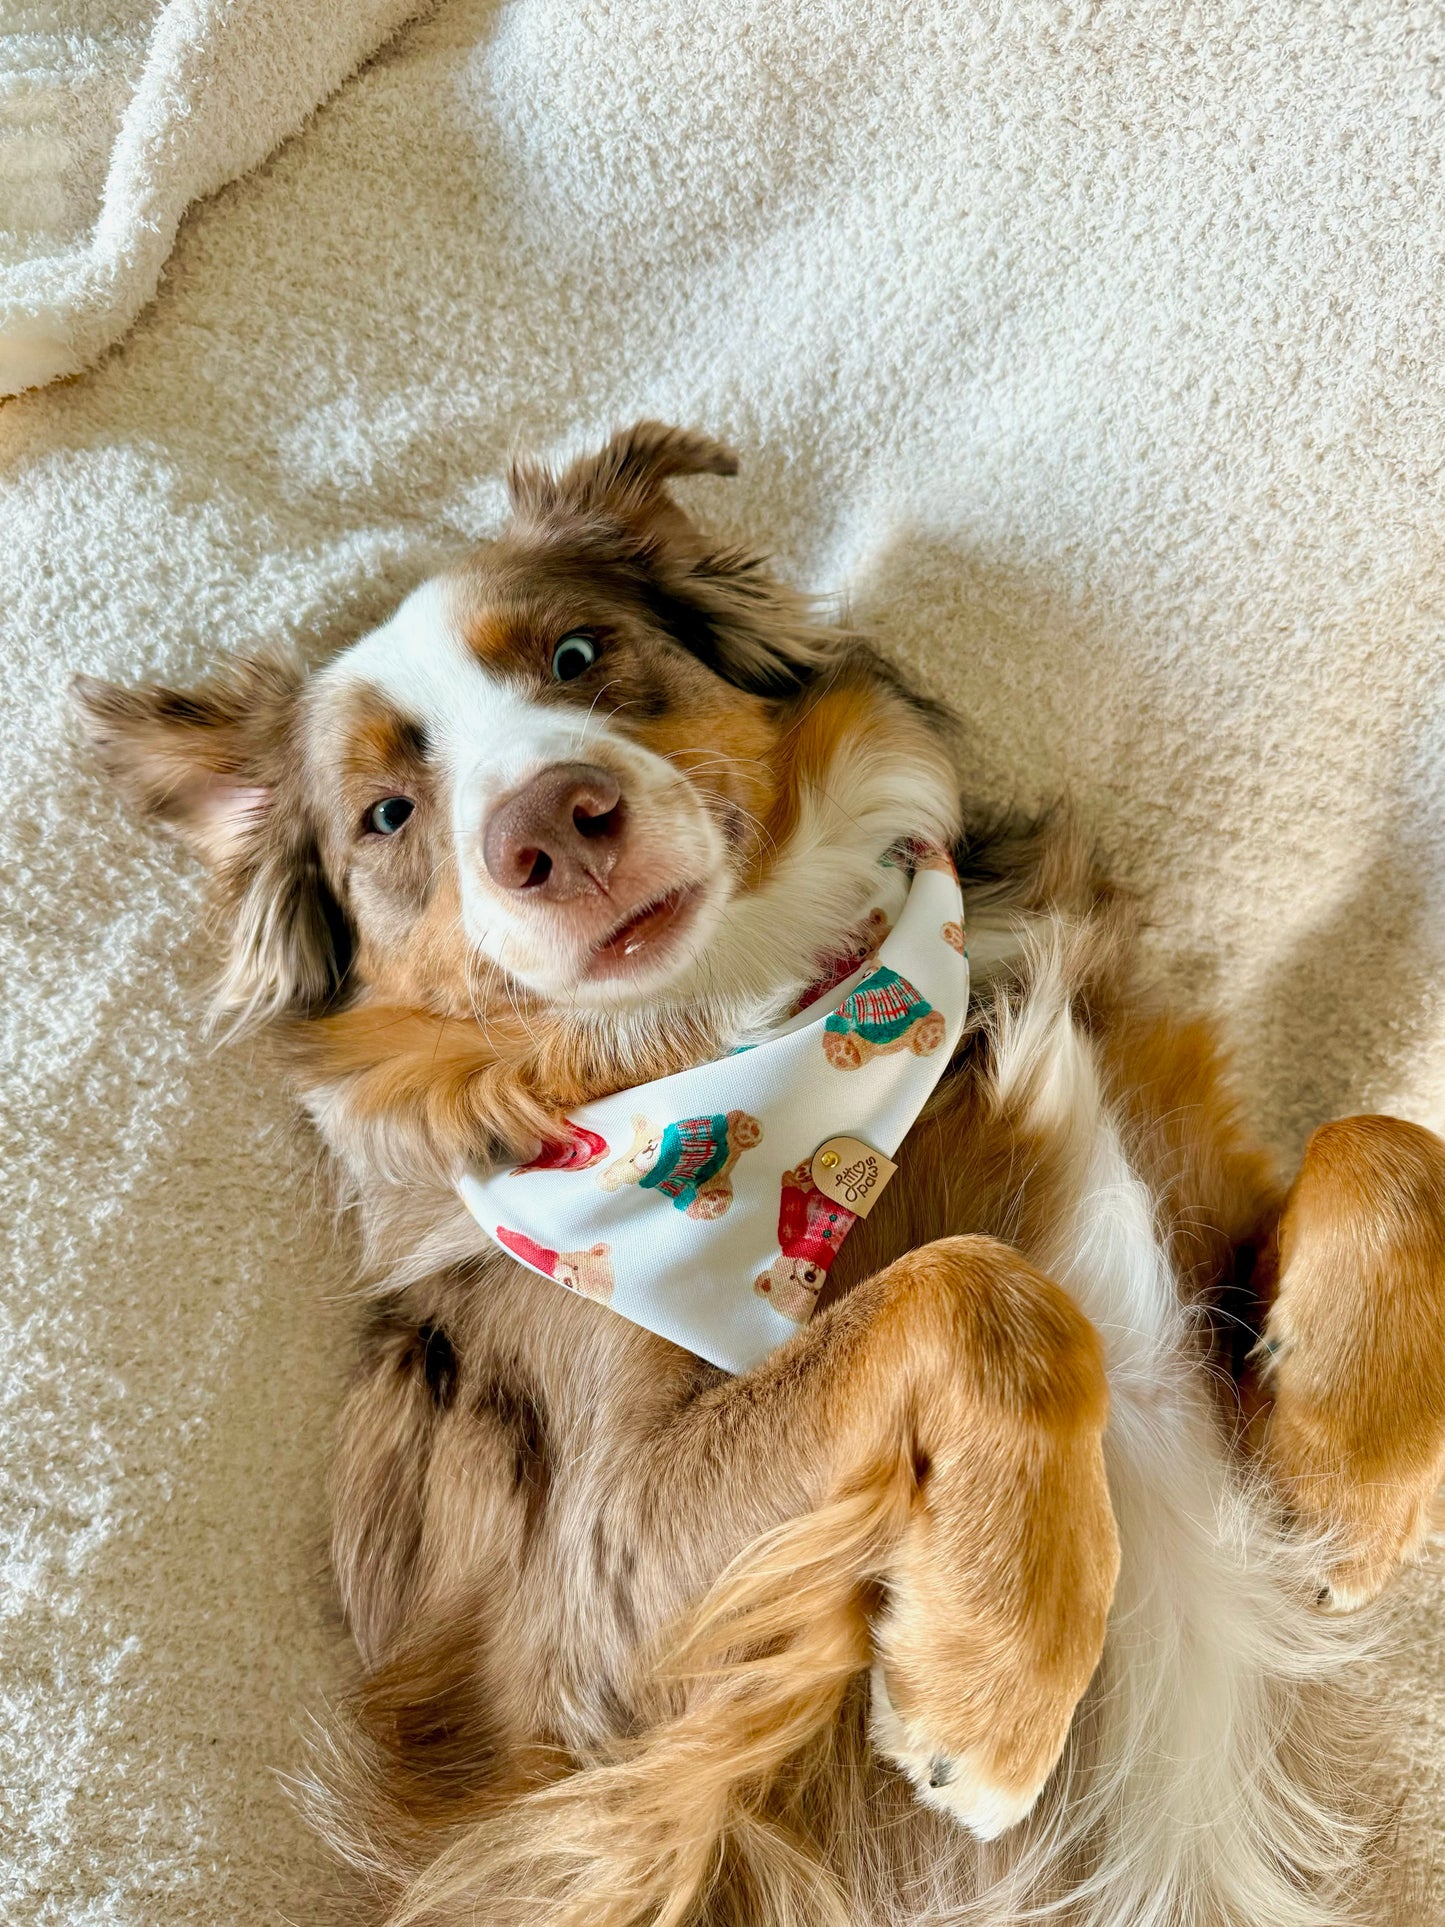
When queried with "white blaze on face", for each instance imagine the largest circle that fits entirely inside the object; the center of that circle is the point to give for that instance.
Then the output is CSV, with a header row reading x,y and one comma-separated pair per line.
x,y
486,739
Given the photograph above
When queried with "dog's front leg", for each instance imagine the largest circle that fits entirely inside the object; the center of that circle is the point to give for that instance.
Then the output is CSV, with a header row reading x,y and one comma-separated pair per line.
x,y
951,1408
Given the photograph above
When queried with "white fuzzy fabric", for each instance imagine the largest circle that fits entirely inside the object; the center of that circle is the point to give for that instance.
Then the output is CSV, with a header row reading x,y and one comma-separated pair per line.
x,y
114,116
1095,351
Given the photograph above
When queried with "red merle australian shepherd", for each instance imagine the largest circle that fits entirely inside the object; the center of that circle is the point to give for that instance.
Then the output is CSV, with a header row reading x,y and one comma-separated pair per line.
x,y
1009,1584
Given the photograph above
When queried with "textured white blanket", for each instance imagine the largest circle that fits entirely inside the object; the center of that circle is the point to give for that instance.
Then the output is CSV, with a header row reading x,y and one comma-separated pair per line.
x,y
114,116
1094,351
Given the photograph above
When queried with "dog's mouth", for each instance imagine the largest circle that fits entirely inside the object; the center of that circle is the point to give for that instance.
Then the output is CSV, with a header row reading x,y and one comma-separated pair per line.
x,y
646,936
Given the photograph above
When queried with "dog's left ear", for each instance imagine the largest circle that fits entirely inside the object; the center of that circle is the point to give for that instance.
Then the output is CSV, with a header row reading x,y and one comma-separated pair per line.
x,y
615,510
214,764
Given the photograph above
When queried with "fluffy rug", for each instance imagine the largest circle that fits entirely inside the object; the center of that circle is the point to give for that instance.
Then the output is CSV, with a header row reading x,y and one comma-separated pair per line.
x,y
1093,352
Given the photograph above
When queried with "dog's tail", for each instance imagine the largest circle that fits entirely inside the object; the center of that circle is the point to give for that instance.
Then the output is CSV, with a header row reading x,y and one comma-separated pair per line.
x,y
755,1677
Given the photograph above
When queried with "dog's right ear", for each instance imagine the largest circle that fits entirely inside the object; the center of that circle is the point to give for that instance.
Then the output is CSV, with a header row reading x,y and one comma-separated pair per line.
x,y
623,484
203,761
218,764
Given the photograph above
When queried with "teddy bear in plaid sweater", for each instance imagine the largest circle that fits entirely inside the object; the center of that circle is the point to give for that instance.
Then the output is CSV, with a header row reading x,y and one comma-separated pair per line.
x,y
885,1013
689,1162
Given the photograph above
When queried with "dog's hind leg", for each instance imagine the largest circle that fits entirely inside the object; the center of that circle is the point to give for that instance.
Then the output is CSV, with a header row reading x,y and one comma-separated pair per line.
x,y
1353,1354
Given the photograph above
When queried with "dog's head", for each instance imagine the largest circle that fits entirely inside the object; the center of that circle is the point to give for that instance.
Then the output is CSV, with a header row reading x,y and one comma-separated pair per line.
x,y
603,760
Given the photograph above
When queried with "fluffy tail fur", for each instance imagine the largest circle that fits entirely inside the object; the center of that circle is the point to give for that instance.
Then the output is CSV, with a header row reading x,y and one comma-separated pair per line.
x,y
755,1678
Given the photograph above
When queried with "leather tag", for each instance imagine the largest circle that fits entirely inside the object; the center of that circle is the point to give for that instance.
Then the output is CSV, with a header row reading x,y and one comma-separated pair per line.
x,y
851,1173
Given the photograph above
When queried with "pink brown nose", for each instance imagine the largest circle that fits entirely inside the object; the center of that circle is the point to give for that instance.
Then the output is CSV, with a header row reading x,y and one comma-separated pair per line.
x,y
559,836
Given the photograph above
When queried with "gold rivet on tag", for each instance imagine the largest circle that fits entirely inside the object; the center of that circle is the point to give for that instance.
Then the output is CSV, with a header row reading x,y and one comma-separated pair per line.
x,y
829,1160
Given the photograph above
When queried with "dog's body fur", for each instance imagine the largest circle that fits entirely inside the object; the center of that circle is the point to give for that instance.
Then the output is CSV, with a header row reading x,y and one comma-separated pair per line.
x,y
616,1612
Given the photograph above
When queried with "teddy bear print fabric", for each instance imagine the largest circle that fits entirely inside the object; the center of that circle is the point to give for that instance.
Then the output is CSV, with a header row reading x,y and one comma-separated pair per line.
x,y
689,1204
574,1152
884,1013
811,1228
587,1272
689,1162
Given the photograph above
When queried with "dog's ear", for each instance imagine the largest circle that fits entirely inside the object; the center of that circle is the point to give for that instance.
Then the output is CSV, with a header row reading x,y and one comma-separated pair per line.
x,y
202,761
614,510
216,764
621,483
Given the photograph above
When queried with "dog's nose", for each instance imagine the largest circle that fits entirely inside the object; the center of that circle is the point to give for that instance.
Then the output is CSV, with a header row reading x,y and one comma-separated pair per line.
x,y
559,835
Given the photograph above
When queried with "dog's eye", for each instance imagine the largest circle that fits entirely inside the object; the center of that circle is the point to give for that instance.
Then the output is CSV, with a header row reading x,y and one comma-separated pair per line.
x,y
389,814
573,657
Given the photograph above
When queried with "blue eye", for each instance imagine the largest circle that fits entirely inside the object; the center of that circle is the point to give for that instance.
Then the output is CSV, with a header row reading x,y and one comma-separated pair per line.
x,y
389,814
573,657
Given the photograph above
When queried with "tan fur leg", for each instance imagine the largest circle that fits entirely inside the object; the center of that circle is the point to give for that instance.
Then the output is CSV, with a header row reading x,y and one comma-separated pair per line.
x,y
998,1593
1355,1347
989,1379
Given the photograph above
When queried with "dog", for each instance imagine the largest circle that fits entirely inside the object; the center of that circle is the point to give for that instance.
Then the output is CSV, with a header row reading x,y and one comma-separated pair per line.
x,y
1015,1576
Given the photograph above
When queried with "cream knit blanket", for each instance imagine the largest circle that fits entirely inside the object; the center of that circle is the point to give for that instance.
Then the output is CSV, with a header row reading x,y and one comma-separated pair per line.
x,y
1093,350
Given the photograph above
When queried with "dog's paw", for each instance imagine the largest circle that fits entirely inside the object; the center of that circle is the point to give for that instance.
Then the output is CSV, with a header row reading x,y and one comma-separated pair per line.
x,y
1339,1598
1354,1435
965,1785
1366,1524
1371,1554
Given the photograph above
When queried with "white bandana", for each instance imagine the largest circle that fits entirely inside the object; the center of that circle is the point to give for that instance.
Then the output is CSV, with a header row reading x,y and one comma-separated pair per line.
x,y
690,1204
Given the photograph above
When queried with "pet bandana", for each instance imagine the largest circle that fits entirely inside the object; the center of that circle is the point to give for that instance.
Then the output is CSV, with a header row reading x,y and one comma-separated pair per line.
x,y
709,1206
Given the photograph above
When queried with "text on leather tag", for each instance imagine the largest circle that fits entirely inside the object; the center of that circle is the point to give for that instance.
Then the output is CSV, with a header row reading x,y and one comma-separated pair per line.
x,y
851,1173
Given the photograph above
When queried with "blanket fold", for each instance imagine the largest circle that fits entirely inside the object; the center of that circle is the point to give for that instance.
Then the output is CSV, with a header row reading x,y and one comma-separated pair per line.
x,y
114,122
